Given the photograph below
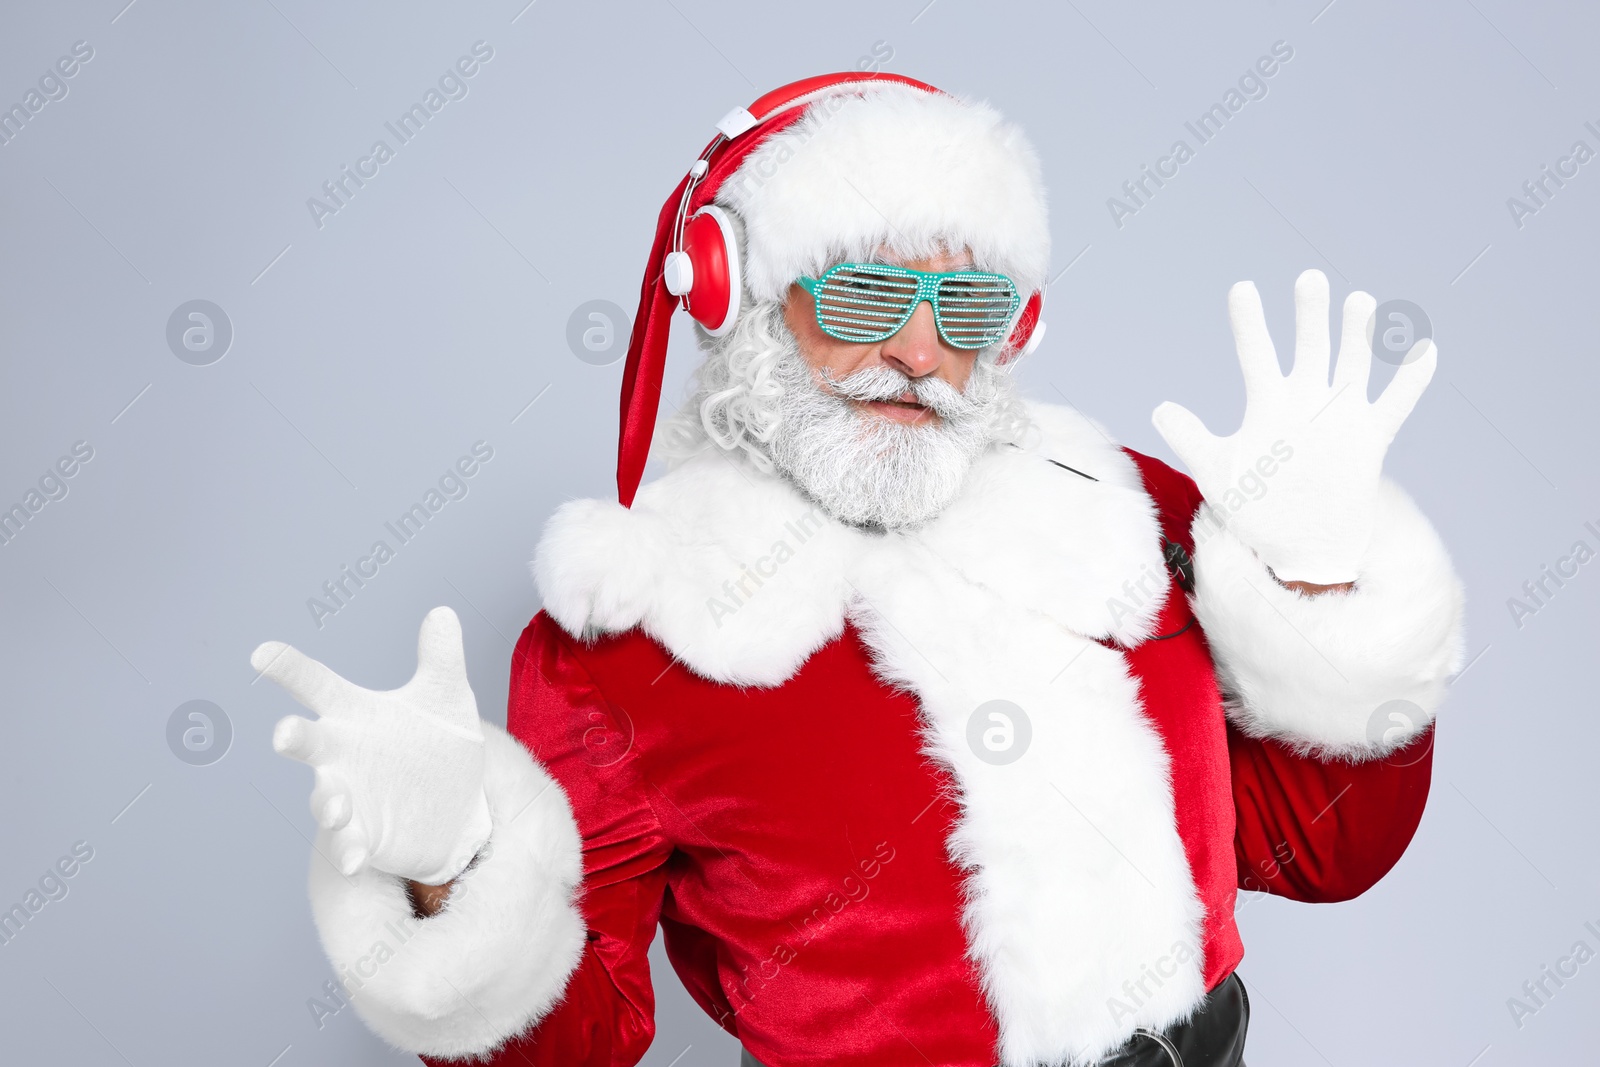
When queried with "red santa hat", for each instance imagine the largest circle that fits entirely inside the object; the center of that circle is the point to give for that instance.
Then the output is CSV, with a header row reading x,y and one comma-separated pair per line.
x,y
825,170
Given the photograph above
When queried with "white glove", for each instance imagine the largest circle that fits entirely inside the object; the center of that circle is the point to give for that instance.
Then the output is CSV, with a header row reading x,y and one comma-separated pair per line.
x,y
399,773
1314,520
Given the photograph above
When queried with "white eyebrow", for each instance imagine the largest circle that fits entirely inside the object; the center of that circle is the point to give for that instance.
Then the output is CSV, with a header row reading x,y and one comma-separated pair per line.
x,y
885,261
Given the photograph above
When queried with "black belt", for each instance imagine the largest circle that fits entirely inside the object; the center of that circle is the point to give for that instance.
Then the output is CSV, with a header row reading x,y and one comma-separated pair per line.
x,y
1212,1037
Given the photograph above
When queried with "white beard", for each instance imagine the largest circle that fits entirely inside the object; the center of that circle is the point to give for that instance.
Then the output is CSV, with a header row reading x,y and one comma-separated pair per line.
x,y
868,470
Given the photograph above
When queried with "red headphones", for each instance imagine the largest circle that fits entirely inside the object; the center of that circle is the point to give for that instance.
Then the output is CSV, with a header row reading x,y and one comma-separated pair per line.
x,y
695,260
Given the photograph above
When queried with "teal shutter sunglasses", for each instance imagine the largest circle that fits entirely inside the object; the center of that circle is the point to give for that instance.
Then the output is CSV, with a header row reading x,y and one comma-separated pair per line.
x,y
868,302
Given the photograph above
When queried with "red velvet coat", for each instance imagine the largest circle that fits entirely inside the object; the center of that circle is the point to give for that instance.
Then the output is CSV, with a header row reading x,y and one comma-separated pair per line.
x,y
793,842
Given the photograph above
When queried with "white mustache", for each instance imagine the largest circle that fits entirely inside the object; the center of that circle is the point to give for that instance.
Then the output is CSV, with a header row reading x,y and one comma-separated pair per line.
x,y
886,383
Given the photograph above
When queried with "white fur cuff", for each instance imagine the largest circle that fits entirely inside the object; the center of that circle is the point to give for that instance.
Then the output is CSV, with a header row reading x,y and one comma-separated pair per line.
x,y
1354,675
497,957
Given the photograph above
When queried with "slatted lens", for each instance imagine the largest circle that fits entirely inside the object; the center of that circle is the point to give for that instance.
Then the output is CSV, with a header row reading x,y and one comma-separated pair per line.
x,y
858,303
975,309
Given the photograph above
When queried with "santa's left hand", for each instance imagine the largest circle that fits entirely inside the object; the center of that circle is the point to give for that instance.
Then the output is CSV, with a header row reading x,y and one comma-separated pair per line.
x,y
1317,449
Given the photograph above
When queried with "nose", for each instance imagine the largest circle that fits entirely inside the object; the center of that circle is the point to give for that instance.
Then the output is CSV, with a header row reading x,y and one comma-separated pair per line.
x,y
915,350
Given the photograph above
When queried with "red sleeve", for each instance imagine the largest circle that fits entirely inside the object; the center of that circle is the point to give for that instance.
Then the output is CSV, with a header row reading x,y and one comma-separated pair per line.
x,y
1305,828
607,1016
1322,830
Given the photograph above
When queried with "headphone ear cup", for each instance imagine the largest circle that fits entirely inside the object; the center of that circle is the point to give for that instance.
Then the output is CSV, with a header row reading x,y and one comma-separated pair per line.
x,y
1026,332
711,242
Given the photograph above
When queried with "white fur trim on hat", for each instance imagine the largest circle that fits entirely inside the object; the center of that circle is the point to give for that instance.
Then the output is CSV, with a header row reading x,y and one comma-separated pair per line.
x,y
890,167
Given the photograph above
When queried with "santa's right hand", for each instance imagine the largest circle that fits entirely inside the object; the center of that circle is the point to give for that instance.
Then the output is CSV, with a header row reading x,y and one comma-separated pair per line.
x,y
399,774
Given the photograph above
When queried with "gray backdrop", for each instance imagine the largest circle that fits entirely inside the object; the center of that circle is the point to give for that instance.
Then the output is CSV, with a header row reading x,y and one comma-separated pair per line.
x,y
374,345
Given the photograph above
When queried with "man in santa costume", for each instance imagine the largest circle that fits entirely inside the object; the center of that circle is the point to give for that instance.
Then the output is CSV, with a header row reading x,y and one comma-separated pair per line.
x,y
928,725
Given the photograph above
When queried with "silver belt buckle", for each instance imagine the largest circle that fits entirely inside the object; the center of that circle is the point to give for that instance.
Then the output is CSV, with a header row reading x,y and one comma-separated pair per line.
x,y
1166,1045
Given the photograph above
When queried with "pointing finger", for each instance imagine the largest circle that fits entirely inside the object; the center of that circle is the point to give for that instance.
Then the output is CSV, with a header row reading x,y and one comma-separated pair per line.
x,y
1257,358
305,679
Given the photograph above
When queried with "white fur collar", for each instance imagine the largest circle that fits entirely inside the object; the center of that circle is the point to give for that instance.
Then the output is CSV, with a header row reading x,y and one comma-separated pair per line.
x,y
742,578
1077,886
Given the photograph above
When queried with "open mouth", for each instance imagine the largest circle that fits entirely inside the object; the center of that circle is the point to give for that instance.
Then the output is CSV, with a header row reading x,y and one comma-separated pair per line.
x,y
903,408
